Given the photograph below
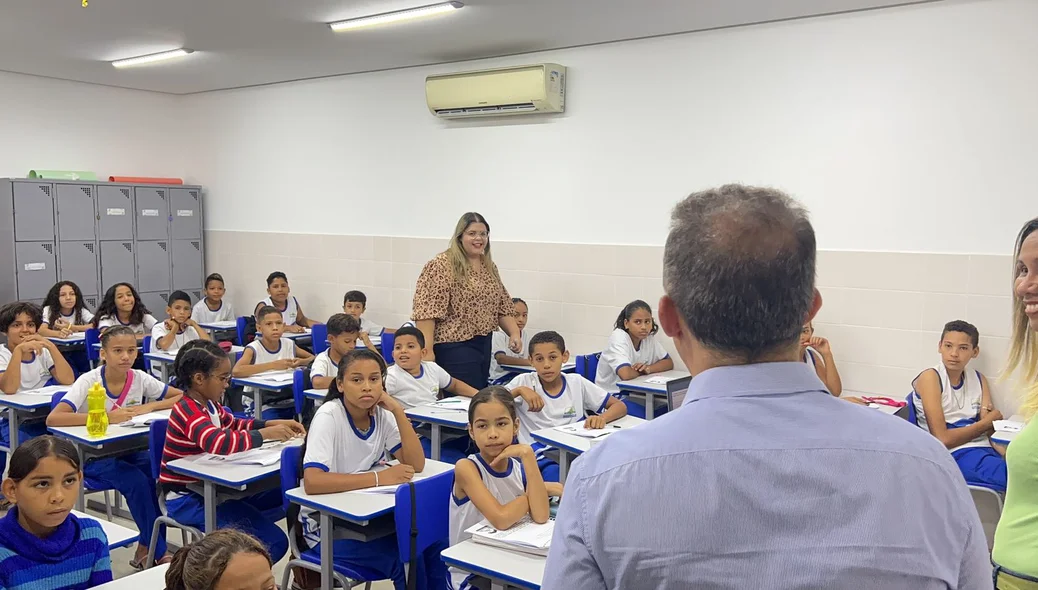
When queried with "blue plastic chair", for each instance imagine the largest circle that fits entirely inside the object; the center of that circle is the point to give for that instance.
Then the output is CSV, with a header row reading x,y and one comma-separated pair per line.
x,y
89,486
145,349
298,392
587,365
319,338
91,337
912,418
386,346
239,327
310,559
156,444
432,517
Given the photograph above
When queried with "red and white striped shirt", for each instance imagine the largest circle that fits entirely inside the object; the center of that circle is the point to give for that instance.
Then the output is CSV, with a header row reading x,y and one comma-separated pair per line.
x,y
192,430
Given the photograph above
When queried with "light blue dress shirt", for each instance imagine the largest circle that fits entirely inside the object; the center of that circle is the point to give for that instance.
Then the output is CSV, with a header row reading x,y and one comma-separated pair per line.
x,y
763,480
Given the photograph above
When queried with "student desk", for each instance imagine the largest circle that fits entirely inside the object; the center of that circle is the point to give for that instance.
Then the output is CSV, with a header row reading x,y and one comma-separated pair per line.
x,y
273,381
570,367
503,567
375,341
354,507
148,579
164,360
316,394
28,404
1002,437
641,386
74,339
571,444
436,417
233,480
214,327
118,536
306,333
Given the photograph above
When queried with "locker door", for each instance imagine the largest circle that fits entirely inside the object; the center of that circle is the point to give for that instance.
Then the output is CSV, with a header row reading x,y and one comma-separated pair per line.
x,y
78,263
185,210
117,264
75,211
151,209
156,304
35,269
114,213
196,295
34,212
187,264
153,266
91,302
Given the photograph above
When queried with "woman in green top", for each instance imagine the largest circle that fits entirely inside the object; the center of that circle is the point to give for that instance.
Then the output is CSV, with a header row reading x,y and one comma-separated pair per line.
x,y
1016,540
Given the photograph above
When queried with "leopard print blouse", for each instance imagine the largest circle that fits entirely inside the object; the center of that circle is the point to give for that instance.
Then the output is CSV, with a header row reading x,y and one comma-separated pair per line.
x,y
461,310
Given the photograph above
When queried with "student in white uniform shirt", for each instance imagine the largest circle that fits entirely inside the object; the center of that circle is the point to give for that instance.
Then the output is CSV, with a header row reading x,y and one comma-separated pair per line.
x,y
64,311
279,297
414,382
632,351
501,483
552,398
212,308
28,361
354,303
270,352
178,329
343,331
358,428
121,306
499,352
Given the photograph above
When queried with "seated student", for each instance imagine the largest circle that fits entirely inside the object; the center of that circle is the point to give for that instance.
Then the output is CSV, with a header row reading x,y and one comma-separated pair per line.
x,y
343,331
501,483
632,351
179,328
356,429
553,398
226,559
121,306
954,403
212,308
500,354
278,297
414,382
64,311
270,352
200,424
43,546
818,353
28,361
129,393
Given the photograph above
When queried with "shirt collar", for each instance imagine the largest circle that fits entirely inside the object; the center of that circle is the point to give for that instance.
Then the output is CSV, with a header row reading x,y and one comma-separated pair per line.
x,y
754,380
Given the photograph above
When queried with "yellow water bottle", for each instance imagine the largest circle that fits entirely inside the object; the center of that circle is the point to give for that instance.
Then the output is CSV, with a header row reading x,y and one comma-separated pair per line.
x,y
97,417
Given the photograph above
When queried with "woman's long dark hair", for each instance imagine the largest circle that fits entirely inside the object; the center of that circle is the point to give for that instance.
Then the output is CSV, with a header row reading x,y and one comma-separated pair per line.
x,y
52,301
109,309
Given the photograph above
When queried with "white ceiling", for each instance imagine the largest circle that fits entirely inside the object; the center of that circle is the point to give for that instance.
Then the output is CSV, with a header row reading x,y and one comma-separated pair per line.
x,y
249,42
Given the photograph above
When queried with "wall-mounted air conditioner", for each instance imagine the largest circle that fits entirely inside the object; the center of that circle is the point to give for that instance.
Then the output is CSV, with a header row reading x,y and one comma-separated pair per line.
x,y
538,88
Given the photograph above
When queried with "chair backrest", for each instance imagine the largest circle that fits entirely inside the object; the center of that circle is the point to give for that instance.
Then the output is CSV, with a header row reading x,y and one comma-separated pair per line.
x,y
387,346
245,326
989,508
433,517
156,445
587,365
300,383
289,472
910,404
146,348
91,337
56,399
319,337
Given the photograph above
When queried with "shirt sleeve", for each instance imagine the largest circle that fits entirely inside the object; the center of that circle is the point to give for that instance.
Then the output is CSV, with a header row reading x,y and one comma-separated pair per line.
x,y
76,395
320,443
499,343
594,396
44,314
319,368
152,388
393,443
443,378
658,352
392,384
616,355
105,322
432,291
87,315
149,322
570,563
158,331
5,358
48,360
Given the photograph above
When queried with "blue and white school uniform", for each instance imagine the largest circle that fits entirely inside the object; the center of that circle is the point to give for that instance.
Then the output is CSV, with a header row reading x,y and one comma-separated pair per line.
x,y
620,352
129,474
371,327
505,486
413,391
187,334
201,313
811,357
291,311
980,464
35,373
499,345
323,366
147,323
85,315
275,405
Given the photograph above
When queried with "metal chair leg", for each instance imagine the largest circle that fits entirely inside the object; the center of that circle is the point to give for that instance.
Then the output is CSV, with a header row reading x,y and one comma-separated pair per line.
x,y
108,505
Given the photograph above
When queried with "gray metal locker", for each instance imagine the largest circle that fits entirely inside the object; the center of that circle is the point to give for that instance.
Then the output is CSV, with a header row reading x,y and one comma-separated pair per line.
x,y
114,213
77,262
151,211
117,264
186,213
75,211
196,295
156,304
187,264
35,269
33,212
153,266
91,302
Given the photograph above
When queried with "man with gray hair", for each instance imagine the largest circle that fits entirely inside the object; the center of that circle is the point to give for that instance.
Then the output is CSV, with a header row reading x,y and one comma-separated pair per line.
x,y
761,479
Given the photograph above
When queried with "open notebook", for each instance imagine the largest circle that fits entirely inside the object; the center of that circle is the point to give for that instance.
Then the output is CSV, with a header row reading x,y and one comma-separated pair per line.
x,y
525,536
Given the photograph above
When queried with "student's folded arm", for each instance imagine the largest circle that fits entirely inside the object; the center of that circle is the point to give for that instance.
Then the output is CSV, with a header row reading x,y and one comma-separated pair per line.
x,y
318,480
832,376
459,387
223,441
500,516
504,359
61,371
410,451
245,367
928,387
64,415
302,353
536,492
662,365
626,373
45,331
614,409
986,405
321,382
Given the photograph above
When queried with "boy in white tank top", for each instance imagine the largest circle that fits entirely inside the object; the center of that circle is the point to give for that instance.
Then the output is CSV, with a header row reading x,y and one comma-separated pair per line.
x,y
270,352
279,296
953,402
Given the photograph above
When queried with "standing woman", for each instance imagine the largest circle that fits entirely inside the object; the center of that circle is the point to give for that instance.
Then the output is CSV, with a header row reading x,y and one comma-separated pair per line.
x,y
459,300
1016,540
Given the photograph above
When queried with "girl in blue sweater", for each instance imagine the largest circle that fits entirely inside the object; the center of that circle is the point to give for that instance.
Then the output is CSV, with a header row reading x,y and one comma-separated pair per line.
x,y
43,546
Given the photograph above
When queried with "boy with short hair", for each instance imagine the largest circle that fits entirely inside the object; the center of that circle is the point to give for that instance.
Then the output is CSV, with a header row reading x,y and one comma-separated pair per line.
x,y
354,303
954,404
270,352
501,355
552,398
343,331
279,297
414,382
179,328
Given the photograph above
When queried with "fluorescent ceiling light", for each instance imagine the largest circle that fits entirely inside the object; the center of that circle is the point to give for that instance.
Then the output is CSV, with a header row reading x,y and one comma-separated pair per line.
x,y
394,17
152,58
